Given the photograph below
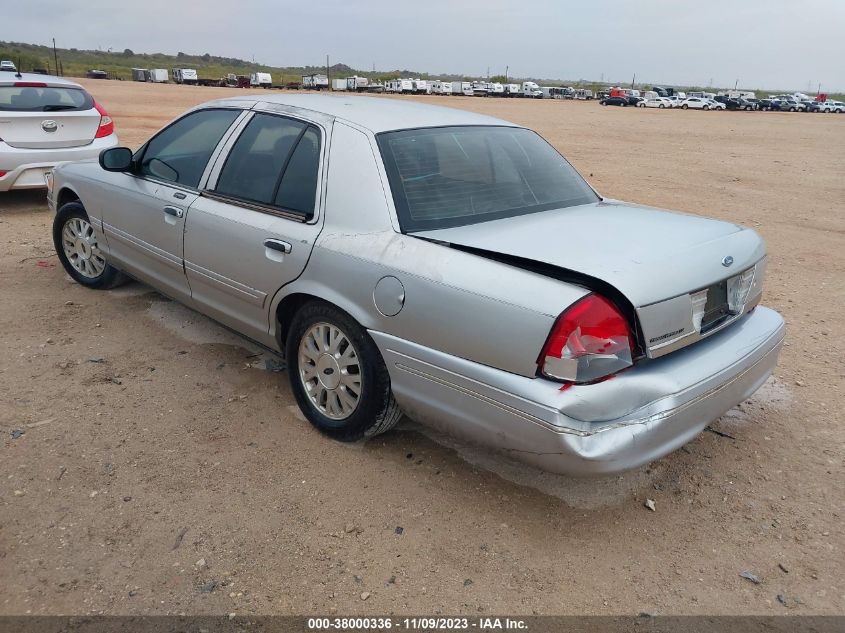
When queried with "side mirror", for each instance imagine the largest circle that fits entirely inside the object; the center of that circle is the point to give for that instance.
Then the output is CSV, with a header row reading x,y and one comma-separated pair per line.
x,y
116,159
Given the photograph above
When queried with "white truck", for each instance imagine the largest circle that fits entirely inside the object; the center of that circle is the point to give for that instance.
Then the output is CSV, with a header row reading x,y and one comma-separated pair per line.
x,y
356,83
185,76
462,88
339,84
260,80
158,75
531,90
441,87
315,82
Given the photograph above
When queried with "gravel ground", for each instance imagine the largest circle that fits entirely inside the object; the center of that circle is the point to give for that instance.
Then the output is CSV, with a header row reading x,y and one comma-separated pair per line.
x,y
151,462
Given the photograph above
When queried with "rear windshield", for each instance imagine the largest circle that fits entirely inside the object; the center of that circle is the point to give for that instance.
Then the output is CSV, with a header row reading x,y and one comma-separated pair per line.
x,y
35,99
452,176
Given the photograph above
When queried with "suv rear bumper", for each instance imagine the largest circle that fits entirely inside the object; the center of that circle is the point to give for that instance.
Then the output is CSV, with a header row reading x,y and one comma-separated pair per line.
x,y
26,168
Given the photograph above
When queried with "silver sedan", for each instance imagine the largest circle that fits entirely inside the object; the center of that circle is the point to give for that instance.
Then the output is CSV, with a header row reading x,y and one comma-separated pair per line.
x,y
414,259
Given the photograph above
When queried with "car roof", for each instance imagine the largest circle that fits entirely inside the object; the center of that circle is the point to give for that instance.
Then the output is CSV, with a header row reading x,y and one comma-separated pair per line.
x,y
377,114
10,77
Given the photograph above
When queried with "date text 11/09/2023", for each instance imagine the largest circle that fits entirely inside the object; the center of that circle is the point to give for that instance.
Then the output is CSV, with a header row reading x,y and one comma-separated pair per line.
x,y
416,624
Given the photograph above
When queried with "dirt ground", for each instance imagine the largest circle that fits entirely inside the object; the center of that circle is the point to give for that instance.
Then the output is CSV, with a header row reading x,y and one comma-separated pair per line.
x,y
164,469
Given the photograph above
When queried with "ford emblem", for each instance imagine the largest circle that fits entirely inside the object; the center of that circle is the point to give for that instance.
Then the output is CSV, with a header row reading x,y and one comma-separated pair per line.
x,y
49,125
727,261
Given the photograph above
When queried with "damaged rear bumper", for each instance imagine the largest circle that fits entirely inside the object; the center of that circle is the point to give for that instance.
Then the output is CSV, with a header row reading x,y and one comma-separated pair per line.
x,y
636,417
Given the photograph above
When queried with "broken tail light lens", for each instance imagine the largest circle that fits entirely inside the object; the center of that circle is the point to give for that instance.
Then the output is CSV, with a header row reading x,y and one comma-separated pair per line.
x,y
589,341
106,127
738,289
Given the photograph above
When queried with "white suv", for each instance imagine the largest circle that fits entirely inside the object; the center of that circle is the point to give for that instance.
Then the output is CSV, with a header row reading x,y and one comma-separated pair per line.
x,y
7,65
44,121
832,106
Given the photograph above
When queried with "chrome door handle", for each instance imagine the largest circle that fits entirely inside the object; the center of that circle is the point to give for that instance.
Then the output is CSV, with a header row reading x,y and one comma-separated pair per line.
x,y
174,211
278,245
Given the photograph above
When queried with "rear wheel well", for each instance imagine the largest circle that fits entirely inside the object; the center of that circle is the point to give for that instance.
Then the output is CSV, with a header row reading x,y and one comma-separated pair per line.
x,y
66,195
285,312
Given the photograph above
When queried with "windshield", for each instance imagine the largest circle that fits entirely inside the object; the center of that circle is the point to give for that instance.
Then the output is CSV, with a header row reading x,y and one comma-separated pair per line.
x,y
43,99
452,176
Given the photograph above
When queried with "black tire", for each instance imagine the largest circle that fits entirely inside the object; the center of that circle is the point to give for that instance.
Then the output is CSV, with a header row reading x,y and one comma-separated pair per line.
x,y
684,107
110,276
376,411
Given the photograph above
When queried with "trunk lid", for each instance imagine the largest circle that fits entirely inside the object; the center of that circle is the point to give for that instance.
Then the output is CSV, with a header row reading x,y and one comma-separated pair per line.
x,y
655,258
45,130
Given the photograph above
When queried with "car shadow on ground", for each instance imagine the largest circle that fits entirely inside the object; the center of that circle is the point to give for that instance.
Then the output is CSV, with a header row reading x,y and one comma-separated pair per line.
x,y
25,200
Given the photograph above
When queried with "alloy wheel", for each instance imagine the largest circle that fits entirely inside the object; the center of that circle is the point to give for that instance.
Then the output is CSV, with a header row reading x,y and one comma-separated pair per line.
x,y
330,370
80,247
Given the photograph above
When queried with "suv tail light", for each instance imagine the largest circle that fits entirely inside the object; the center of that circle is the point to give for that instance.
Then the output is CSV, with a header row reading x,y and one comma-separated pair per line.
x,y
106,124
589,341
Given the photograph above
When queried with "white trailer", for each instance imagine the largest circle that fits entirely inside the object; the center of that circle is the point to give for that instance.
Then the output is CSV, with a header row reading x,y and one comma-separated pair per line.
x,y
532,90
260,80
140,74
158,75
462,88
356,83
511,90
315,82
585,94
441,87
185,76
497,89
481,88
339,84
399,85
422,86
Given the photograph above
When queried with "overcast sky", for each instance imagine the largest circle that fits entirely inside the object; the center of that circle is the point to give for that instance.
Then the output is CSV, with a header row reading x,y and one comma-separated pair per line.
x,y
778,44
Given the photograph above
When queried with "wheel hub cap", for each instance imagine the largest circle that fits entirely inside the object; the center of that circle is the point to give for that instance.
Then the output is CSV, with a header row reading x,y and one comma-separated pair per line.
x,y
328,371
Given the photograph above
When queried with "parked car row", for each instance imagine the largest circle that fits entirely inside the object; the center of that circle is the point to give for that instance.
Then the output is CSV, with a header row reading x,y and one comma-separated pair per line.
x,y
780,104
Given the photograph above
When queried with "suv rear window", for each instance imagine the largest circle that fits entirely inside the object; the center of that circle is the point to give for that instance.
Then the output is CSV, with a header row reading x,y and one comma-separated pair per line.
x,y
453,176
37,99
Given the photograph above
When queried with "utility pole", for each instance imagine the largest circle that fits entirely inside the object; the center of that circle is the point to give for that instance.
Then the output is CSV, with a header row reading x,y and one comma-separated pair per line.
x,y
328,75
55,55
736,83
507,68
633,81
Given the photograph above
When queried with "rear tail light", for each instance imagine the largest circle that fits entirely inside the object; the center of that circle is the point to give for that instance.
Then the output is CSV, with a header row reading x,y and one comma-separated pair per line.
x,y
738,289
106,124
589,341
30,84
2,173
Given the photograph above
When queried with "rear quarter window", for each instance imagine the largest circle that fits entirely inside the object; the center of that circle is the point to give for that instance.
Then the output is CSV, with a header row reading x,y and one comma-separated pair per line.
x,y
38,99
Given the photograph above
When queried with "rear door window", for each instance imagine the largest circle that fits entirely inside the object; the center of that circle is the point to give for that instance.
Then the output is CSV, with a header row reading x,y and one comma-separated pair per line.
x,y
275,162
180,152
